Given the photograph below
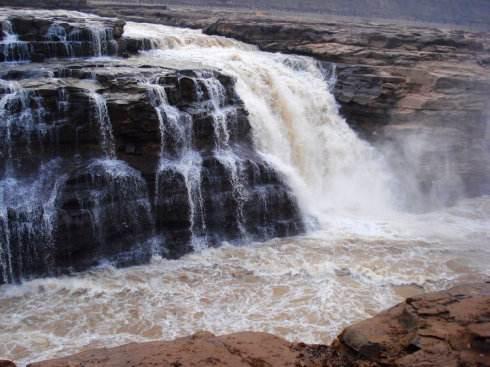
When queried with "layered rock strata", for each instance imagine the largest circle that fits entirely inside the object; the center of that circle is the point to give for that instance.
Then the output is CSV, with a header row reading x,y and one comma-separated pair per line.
x,y
26,38
106,160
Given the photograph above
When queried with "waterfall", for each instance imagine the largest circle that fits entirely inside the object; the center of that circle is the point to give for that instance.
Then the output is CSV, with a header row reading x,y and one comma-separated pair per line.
x,y
6,116
295,119
27,204
57,33
199,142
101,41
21,118
120,202
101,115
236,136
79,35
223,152
176,128
13,49
28,220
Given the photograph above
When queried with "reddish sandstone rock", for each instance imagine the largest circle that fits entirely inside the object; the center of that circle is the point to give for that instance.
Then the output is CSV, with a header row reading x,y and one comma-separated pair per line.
x,y
202,349
449,328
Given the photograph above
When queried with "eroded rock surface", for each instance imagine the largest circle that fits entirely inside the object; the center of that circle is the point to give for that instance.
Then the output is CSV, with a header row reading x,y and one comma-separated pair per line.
x,y
449,328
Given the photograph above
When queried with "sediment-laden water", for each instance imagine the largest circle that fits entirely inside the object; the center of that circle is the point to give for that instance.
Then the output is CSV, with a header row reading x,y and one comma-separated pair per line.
x,y
306,288
363,251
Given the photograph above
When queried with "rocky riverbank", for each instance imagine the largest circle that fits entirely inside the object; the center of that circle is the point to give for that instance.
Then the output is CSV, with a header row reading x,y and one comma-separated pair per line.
x,y
448,328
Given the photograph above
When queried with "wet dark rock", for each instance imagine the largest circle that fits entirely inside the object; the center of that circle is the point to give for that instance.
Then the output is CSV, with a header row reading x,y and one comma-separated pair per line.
x,y
173,212
123,211
117,196
43,37
30,28
118,28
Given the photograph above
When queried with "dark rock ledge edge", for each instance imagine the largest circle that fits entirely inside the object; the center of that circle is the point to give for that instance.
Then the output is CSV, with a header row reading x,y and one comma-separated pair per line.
x,y
444,329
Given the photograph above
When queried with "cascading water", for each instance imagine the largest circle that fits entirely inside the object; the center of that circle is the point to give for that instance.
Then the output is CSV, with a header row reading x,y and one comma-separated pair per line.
x,y
103,120
28,220
221,116
176,130
80,36
364,256
32,129
13,49
22,114
175,126
102,41
114,195
27,212
57,33
295,119
5,114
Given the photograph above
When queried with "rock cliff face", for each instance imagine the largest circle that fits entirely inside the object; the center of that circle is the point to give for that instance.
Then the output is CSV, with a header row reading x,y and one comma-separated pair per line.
x,y
106,160
449,328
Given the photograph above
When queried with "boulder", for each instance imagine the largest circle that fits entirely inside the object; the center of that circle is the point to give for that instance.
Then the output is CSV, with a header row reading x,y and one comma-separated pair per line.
x,y
449,328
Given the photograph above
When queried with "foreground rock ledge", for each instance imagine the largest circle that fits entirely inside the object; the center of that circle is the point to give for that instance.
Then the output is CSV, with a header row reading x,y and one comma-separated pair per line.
x,y
445,329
